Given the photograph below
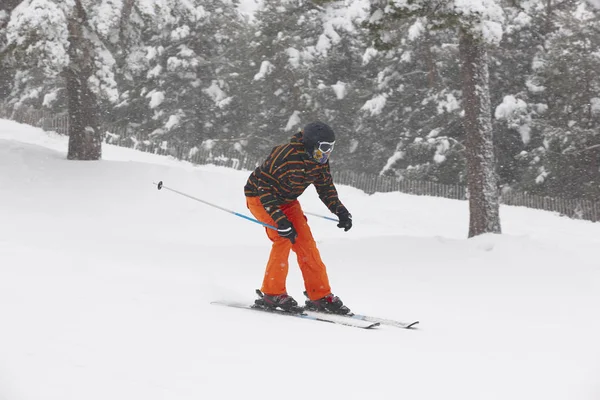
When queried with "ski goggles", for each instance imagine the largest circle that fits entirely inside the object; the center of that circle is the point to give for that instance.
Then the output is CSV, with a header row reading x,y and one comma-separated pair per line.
x,y
322,151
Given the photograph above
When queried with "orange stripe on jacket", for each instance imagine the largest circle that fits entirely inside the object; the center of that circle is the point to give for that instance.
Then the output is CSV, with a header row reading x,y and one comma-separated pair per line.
x,y
285,175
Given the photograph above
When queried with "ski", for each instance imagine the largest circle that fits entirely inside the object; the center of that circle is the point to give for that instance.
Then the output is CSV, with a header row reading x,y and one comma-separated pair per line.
x,y
367,318
322,317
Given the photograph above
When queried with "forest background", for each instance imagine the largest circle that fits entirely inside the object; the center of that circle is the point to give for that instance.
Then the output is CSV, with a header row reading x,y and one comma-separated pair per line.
x,y
203,75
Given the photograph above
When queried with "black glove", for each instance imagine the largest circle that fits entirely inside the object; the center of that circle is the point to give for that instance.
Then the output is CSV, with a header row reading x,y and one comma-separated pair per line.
x,y
345,221
286,230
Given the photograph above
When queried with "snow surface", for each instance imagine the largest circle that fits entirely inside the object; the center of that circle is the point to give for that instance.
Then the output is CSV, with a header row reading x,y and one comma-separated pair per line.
x,y
106,284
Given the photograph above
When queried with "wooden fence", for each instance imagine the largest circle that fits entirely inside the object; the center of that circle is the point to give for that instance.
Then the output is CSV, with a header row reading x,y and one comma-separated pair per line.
x,y
370,183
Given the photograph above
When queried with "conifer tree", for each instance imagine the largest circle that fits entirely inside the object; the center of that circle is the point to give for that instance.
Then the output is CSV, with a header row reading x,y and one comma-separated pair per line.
x,y
59,52
477,25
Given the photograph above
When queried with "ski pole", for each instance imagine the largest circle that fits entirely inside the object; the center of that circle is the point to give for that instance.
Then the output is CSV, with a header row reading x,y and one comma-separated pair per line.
x,y
161,186
321,216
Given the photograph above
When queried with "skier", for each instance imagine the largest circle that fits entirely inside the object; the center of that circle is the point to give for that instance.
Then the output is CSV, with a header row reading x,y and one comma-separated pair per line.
x,y
272,192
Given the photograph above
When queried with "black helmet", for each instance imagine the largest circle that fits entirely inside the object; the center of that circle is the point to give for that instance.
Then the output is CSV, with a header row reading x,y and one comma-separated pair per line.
x,y
315,133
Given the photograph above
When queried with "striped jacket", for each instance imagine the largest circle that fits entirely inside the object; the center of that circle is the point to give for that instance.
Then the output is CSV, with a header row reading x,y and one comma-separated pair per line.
x,y
284,176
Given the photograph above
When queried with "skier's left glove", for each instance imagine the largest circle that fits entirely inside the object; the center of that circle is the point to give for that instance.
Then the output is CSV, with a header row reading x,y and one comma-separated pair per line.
x,y
345,220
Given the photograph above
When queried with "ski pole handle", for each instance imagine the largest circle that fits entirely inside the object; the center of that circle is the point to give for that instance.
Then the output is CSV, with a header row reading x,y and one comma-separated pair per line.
x,y
160,186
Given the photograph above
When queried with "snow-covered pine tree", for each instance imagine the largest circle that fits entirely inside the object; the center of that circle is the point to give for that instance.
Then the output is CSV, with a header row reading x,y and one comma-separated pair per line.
x,y
511,65
51,40
286,35
176,77
478,24
27,79
416,104
338,80
6,70
565,80
307,66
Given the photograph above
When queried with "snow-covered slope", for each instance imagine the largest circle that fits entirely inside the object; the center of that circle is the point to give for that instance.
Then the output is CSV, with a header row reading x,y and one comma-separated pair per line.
x,y
105,285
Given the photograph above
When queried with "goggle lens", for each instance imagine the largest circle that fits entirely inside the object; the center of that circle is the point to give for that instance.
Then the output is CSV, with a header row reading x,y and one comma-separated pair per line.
x,y
325,147
322,151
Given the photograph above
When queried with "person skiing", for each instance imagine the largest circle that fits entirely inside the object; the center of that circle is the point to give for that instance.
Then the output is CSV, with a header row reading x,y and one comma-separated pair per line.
x,y
272,192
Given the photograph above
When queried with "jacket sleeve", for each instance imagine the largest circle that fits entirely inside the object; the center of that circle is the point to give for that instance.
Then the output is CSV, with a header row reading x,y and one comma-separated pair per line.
x,y
272,180
328,193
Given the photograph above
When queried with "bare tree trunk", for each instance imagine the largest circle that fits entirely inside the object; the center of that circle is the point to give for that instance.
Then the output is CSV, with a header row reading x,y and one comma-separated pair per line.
x,y
85,138
483,190
429,60
9,5
7,74
125,20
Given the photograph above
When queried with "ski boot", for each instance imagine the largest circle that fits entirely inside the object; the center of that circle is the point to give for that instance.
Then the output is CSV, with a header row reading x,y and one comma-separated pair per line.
x,y
281,301
329,304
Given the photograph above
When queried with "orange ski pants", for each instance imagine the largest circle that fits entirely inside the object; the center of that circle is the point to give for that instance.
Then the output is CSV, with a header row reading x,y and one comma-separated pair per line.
x,y
313,270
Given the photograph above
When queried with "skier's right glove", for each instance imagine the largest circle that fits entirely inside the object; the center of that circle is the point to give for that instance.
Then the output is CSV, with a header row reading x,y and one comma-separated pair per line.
x,y
286,230
345,220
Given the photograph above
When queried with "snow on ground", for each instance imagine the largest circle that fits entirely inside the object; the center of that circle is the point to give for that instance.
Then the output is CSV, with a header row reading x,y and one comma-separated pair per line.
x,y
105,285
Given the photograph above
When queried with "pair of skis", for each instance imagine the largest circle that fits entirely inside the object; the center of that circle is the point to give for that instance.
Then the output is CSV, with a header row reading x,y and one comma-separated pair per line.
x,y
353,320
